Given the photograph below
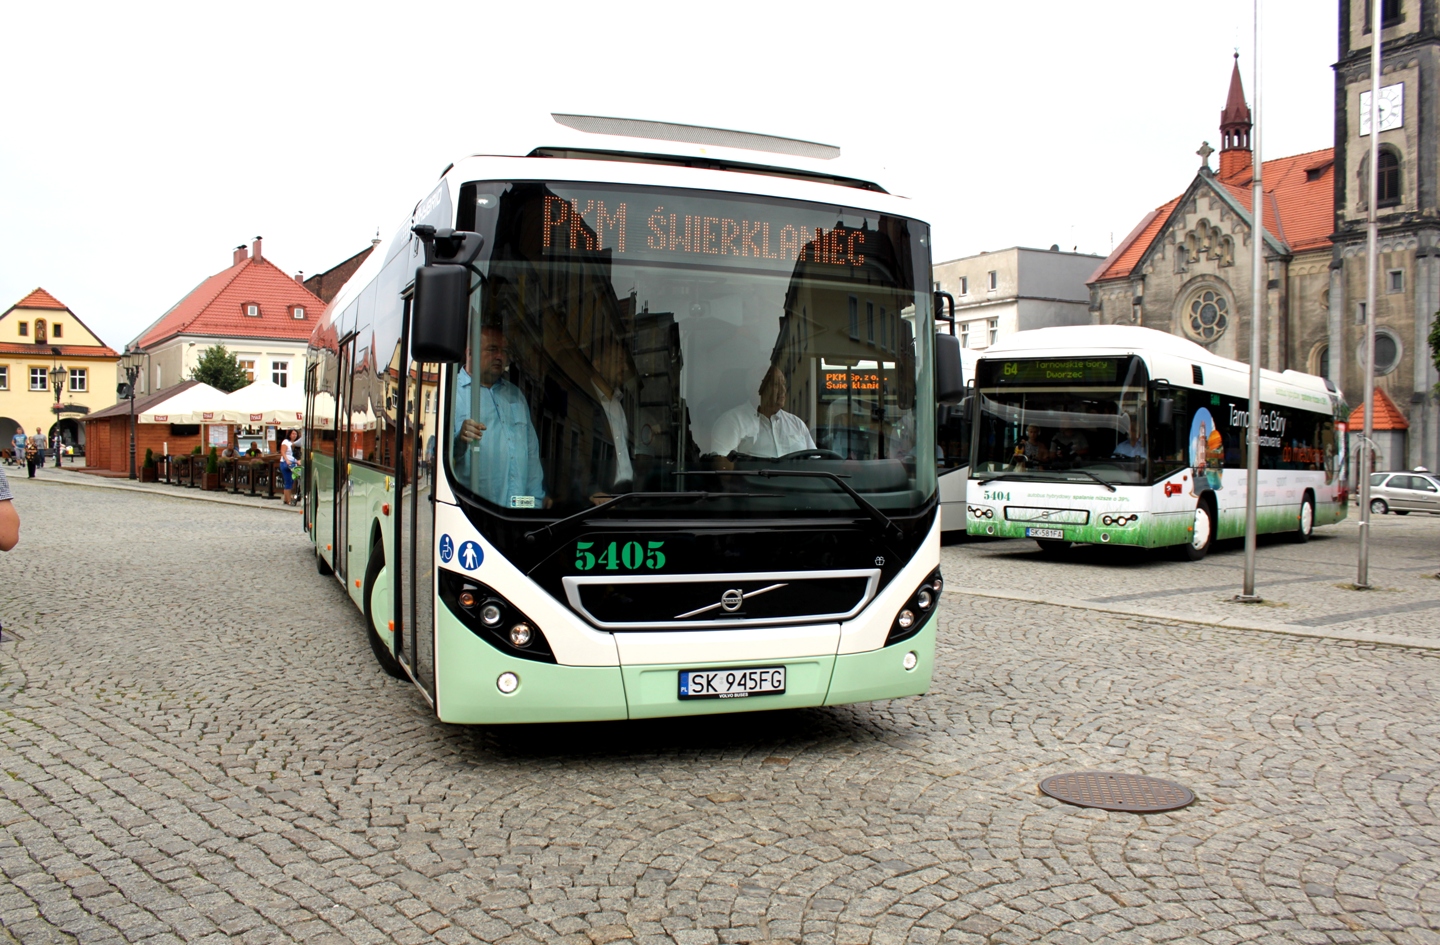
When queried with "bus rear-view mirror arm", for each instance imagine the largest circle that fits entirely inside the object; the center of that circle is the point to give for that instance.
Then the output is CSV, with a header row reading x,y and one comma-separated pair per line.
x,y
940,299
440,311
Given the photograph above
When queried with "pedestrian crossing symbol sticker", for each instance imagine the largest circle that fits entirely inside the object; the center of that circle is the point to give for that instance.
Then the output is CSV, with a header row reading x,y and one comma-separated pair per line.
x,y
471,556
447,549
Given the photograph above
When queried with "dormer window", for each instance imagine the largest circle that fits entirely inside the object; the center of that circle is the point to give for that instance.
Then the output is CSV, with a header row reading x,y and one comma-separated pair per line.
x,y
298,311
251,309
24,329
55,331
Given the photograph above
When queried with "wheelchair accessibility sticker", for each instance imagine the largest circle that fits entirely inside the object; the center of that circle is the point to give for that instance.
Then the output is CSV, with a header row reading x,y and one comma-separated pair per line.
x,y
447,549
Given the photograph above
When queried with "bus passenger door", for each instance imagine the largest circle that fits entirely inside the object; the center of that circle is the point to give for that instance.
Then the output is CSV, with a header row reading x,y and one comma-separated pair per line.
x,y
417,522
343,452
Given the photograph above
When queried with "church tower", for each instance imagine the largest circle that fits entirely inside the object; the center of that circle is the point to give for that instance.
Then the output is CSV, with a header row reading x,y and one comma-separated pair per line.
x,y
1407,202
1235,124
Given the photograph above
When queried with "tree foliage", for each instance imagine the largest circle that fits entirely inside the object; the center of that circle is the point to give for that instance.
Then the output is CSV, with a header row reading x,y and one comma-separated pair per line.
x,y
218,368
1435,344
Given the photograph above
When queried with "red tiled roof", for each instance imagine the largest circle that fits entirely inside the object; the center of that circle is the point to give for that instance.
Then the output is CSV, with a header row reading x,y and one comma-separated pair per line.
x,y
66,351
40,299
215,307
1300,211
1387,415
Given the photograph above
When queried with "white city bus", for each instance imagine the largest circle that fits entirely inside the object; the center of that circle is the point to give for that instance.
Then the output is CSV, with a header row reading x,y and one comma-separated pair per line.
x,y
1130,436
635,420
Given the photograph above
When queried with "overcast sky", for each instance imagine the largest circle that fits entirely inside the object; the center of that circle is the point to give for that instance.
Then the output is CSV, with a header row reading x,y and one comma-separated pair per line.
x,y
140,142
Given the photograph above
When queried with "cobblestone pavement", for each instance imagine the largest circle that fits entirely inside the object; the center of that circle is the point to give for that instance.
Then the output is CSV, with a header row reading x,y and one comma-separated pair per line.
x,y
197,746
1305,587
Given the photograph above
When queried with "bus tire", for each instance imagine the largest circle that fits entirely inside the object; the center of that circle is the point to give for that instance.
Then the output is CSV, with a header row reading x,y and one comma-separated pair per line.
x,y
1051,548
383,656
1378,507
1203,534
1305,526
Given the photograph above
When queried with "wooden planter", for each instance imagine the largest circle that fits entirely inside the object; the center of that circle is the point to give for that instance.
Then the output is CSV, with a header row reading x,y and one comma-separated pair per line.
x,y
210,481
149,473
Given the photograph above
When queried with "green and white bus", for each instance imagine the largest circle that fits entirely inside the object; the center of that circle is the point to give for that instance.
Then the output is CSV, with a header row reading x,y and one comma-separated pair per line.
x,y
1130,436
632,420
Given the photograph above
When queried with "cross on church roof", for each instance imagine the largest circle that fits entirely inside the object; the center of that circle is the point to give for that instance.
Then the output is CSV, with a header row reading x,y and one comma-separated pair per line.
x,y
1205,152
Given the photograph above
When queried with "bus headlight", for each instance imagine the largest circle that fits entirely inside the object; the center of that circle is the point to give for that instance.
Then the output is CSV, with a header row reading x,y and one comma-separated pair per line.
x,y
913,612
492,618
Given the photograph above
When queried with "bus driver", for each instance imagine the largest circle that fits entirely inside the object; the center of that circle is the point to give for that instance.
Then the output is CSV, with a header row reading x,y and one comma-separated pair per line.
x,y
500,437
767,431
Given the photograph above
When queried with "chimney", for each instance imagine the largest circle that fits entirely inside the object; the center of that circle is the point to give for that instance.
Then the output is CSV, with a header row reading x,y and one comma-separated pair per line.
x,y
1235,154
299,278
240,255
257,249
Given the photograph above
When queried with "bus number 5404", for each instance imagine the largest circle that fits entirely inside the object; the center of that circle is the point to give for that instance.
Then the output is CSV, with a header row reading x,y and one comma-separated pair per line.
x,y
629,556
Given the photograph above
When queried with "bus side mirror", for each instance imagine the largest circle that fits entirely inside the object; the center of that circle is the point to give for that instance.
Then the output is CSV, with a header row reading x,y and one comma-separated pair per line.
x,y
1165,410
439,314
949,375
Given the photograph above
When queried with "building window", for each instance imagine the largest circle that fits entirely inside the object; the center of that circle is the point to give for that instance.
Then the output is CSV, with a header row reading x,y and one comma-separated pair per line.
x,y
1359,313
1322,362
1395,281
4,377
870,322
24,329
252,309
1206,314
964,334
427,402
279,373
854,318
964,285
994,329
79,379
299,311
38,380
994,278
1387,353
1387,181
249,368
55,330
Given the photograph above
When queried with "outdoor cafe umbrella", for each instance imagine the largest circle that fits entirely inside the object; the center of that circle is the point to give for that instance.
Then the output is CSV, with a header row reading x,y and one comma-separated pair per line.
x,y
185,407
263,402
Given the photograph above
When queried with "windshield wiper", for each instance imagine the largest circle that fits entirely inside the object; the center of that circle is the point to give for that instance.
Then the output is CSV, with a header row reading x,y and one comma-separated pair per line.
x,y
583,514
1092,476
1007,475
883,520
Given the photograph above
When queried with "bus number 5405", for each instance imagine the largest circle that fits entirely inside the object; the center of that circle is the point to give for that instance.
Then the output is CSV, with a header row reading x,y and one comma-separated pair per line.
x,y
630,556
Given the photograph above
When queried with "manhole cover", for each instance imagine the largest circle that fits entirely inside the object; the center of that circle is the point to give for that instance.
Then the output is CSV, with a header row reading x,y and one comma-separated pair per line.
x,y
1107,791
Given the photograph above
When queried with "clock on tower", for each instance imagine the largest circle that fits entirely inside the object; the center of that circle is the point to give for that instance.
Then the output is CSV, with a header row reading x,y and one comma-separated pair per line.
x,y
1391,108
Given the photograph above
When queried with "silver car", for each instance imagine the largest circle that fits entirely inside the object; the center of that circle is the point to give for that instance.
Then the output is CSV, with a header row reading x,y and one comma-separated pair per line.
x,y
1404,492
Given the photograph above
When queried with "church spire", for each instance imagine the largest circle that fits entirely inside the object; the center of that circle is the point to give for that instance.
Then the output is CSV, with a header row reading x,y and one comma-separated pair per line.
x,y
1235,125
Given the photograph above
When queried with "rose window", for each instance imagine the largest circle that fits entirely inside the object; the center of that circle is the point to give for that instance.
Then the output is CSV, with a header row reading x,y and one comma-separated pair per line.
x,y
1208,316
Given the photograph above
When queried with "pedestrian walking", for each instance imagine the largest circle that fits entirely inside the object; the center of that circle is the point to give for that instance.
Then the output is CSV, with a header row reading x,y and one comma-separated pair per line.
x,y
18,442
9,518
289,461
35,452
57,443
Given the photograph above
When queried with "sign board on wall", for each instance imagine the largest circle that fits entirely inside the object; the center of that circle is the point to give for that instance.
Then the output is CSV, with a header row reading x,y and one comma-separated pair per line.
x,y
219,435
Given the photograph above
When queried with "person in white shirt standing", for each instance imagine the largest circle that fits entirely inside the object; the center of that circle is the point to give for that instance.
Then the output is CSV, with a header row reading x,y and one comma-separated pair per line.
x,y
767,431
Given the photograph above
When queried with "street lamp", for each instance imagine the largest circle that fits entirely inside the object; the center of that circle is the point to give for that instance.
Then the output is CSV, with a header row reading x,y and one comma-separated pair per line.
x,y
131,363
57,381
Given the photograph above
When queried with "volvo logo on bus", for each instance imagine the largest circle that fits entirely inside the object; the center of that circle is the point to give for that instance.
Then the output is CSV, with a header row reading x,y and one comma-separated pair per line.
x,y
731,600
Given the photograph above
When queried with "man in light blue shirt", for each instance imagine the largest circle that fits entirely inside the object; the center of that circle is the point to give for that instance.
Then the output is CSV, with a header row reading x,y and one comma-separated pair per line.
x,y
1131,447
496,452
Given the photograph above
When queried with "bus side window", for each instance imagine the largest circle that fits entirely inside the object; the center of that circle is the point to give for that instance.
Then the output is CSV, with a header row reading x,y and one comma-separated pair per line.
x,y
1168,441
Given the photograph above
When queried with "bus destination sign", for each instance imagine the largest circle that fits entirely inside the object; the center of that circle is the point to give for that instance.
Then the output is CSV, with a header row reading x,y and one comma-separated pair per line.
x,y
852,380
1055,371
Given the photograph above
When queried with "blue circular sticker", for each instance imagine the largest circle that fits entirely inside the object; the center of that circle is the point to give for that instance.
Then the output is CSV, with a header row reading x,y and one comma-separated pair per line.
x,y
471,556
447,549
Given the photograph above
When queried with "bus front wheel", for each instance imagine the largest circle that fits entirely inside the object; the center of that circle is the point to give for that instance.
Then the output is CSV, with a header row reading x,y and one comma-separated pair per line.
x,y
383,656
1202,534
1306,525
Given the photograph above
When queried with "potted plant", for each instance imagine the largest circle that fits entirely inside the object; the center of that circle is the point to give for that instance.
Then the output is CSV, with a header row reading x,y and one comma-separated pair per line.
x,y
150,471
212,470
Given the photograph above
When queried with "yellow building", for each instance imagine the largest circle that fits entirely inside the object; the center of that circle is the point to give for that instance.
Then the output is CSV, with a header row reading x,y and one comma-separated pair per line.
x,y
39,334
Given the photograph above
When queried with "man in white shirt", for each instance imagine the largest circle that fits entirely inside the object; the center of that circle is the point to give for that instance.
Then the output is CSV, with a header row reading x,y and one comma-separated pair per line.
x,y
767,430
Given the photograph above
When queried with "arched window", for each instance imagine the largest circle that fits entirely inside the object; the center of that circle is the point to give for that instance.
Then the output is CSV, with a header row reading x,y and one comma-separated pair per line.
x,y
1387,180
1322,362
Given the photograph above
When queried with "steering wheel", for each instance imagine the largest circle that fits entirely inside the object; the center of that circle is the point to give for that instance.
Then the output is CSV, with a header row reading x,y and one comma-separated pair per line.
x,y
814,452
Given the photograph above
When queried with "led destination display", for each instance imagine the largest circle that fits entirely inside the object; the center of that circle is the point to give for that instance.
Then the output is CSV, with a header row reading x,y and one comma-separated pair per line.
x,y
1052,371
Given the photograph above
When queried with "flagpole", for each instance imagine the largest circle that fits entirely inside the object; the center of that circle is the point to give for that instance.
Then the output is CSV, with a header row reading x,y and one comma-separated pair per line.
x,y
1258,291
1362,571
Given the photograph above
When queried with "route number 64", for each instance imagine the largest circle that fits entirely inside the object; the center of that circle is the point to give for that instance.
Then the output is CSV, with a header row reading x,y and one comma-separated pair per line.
x,y
630,556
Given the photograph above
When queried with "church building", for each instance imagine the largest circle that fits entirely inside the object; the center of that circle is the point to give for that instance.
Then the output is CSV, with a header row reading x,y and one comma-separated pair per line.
x,y
1186,267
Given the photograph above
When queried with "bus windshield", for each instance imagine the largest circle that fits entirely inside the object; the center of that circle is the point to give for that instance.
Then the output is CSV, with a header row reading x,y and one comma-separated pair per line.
x,y
1062,419
628,339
